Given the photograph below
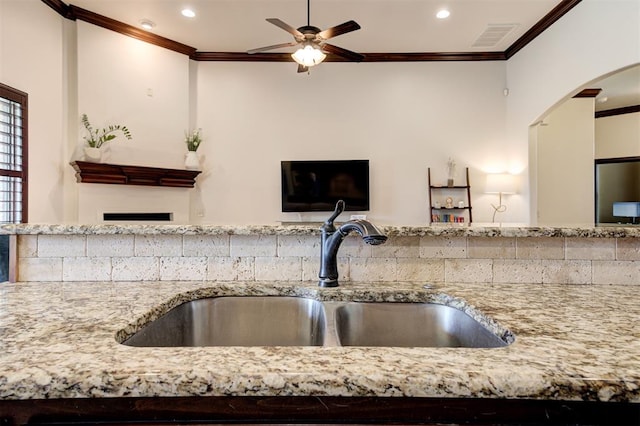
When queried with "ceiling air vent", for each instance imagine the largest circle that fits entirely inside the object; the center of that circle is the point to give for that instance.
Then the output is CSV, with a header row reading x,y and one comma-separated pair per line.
x,y
493,34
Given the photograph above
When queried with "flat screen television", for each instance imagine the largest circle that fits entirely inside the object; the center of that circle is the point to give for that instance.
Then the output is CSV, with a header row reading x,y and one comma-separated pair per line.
x,y
316,186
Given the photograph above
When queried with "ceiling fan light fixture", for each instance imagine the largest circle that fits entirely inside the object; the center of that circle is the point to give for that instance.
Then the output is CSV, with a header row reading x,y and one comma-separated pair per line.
x,y
308,55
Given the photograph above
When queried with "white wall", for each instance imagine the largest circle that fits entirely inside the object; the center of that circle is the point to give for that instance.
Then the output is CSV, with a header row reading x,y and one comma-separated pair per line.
x,y
618,136
595,38
96,199
31,61
402,117
125,81
565,150
399,116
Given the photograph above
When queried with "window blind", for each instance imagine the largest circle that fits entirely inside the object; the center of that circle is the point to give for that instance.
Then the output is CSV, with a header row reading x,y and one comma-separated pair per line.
x,y
13,159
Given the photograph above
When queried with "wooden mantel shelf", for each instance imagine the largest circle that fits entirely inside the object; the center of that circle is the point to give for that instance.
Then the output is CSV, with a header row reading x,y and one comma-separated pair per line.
x,y
116,174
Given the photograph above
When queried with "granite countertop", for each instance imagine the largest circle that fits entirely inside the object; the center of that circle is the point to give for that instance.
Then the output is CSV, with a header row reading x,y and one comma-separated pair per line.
x,y
480,230
571,343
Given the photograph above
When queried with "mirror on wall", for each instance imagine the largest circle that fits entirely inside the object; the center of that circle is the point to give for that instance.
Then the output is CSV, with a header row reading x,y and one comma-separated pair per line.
x,y
568,145
617,190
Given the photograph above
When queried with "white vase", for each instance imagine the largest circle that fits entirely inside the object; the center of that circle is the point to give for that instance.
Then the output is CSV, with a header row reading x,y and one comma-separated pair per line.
x,y
93,155
192,161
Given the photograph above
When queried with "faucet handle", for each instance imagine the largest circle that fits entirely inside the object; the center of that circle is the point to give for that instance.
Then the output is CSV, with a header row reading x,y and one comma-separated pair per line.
x,y
340,205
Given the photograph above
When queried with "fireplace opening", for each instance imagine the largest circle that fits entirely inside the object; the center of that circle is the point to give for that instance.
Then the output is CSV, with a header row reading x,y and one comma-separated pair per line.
x,y
138,217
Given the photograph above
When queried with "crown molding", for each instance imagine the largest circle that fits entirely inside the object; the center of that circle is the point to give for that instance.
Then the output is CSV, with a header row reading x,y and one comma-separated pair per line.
x,y
588,93
368,57
59,6
75,12
549,19
129,30
592,93
618,111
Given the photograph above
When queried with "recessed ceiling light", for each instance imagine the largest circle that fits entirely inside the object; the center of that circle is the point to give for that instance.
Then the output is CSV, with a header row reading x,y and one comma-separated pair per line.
x,y
189,13
147,24
443,14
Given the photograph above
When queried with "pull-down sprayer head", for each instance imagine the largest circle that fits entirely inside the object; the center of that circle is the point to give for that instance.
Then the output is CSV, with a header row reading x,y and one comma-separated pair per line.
x,y
367,230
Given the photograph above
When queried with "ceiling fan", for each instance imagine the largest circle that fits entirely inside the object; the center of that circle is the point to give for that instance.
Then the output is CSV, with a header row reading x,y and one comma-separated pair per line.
x,y
312,41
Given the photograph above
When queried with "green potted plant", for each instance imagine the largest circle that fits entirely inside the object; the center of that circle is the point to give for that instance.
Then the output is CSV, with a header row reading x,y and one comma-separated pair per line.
x,y
193,140
97,138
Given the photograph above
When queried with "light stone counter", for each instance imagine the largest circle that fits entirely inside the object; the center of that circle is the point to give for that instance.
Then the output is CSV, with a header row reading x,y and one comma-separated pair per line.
x,y
577,342
313,229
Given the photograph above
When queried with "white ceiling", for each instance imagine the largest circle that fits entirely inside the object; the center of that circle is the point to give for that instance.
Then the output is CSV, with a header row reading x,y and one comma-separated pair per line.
x,y
619,90
388,26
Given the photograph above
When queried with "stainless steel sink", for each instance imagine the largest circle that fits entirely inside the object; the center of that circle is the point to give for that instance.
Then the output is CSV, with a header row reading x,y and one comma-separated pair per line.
x,y
410,325
297,321
237,321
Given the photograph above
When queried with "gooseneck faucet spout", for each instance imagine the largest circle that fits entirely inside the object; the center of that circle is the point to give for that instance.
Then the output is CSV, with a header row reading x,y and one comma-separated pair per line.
x,y
332,238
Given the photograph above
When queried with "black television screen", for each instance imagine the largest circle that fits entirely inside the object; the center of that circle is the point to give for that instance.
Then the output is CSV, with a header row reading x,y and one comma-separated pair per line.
x,y
316,186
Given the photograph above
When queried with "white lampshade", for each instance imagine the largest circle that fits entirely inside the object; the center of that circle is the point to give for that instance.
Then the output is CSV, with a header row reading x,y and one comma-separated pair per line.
x,y
309,55
498,183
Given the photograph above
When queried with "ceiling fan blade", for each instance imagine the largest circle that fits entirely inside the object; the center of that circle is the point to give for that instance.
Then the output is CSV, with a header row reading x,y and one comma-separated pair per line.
x,y
347,27
274,46
302,68
347,54
288,28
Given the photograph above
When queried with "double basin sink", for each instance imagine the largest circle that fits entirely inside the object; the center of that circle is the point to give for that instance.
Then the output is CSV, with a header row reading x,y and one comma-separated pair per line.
x,y
299,321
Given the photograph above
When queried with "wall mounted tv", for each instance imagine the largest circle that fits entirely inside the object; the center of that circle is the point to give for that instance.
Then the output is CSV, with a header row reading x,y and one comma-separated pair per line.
x,y
316,186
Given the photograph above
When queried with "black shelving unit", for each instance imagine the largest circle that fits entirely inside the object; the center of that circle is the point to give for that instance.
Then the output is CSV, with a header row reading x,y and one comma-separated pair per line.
x,y
444,214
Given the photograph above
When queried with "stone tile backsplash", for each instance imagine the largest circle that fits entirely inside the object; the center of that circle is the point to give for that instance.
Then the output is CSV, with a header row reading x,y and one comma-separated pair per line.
x,y
128,257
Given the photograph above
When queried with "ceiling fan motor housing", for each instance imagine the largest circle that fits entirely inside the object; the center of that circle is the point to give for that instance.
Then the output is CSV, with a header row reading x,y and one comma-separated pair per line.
x,y
309,30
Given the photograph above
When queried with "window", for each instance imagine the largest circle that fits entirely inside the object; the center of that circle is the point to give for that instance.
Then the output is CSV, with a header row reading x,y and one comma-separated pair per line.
x,y
13,155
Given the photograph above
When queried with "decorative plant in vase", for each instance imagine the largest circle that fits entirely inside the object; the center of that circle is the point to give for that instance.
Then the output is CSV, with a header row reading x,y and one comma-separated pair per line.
x,y
193,140
97,138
